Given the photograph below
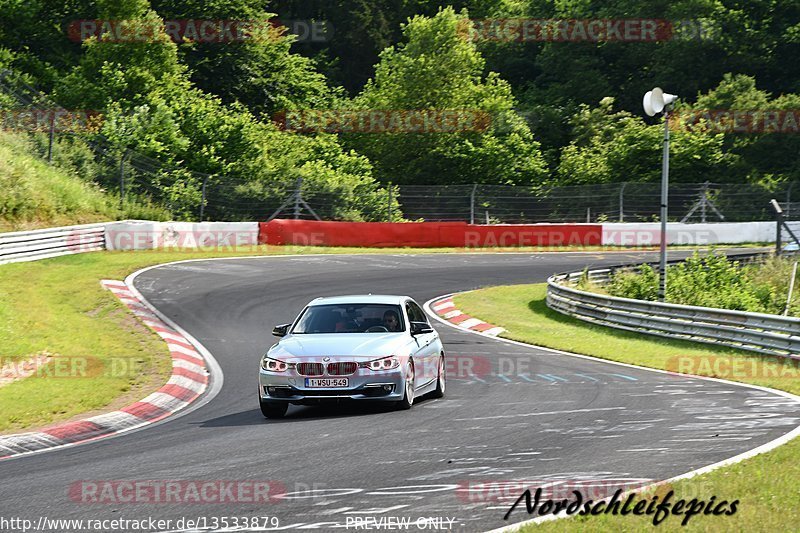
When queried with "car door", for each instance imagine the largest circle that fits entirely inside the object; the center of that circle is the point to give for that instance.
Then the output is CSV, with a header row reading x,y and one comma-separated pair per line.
x,y
428,347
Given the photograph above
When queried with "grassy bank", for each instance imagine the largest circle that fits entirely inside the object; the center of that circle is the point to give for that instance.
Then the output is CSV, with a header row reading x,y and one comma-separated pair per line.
x,y
34,194
765,484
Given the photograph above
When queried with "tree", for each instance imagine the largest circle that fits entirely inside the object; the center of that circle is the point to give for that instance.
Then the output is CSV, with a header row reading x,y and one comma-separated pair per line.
x,y
261,72
613,147
438,69
766,157
151,107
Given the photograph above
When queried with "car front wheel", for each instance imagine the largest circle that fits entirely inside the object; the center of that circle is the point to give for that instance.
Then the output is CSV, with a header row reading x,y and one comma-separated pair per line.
x,y
408,393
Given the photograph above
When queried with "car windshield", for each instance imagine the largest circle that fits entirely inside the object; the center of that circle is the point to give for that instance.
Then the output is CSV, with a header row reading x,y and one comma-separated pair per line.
x,y
350,318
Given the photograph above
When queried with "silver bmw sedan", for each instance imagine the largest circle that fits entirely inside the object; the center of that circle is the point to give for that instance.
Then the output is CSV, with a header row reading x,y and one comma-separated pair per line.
x,y
366,347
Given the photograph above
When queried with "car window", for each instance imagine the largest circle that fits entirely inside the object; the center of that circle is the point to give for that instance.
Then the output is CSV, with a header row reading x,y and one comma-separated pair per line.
x,y
350,318
415,313
409,312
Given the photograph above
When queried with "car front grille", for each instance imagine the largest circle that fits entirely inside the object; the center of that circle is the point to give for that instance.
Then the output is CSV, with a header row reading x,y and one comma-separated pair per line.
x,y
309,369
342,368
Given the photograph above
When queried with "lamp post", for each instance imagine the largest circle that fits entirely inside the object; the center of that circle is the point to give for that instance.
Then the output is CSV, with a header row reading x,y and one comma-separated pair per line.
x,y
655,102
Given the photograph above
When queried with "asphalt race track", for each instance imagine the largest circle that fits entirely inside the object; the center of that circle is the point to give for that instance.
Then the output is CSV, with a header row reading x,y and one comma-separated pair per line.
x,y
538,416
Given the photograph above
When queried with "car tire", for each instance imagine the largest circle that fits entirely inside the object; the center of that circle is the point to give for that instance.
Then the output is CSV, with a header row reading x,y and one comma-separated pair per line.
x,y
408,389
274,409
438,392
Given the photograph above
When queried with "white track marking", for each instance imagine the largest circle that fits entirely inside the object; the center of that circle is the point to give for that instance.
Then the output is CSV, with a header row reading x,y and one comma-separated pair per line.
x,y
732,460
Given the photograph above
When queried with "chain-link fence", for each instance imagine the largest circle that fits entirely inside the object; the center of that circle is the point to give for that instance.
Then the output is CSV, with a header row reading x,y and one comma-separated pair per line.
x,y
608,202
134,175
496,204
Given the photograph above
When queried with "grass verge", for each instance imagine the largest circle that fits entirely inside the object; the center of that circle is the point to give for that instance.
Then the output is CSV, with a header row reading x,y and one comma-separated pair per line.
x,y
766,485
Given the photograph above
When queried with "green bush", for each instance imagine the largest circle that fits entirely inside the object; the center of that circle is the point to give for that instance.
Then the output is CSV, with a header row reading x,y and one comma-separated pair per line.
x,y
715,281
641,285
712,281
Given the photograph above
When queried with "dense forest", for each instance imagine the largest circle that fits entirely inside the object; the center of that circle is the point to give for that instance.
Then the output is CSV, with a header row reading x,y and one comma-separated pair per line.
x,y
549,109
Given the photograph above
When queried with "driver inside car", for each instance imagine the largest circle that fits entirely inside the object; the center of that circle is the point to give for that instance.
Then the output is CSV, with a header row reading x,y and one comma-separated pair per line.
x,y
391,321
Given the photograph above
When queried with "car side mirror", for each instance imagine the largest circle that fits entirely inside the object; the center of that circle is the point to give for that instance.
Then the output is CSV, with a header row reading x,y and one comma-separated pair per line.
x,y
280,331
418,328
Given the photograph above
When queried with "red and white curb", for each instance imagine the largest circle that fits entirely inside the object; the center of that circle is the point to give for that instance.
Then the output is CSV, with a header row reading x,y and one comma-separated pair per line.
x,y
446,309
189,380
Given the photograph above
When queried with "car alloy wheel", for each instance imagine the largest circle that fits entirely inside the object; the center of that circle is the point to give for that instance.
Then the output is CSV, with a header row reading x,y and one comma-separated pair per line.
x,y
408,394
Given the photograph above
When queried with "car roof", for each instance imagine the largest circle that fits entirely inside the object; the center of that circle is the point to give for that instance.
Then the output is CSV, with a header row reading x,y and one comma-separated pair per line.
x,y
361,299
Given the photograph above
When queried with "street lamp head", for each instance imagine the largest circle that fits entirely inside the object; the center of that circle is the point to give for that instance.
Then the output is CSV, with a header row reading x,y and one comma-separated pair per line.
x,y
654,101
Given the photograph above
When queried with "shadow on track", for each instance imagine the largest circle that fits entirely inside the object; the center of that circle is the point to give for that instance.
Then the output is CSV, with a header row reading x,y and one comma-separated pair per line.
x,y
300,413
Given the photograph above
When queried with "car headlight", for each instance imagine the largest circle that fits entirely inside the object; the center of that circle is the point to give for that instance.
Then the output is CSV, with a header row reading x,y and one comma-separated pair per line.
x,y
384,363
274,365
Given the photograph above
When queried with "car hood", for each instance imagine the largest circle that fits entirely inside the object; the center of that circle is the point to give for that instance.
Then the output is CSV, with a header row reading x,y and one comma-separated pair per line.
x,y
368,345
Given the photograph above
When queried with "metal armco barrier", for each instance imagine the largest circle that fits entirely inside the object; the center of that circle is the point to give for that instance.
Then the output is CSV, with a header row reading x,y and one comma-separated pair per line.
x,y
757,332
39,244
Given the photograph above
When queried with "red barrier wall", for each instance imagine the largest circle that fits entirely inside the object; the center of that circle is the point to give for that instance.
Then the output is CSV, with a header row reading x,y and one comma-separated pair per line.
x,y
425,234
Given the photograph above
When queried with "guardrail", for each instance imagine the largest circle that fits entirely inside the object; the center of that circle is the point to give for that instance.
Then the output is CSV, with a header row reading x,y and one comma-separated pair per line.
x,y
39,244
757,332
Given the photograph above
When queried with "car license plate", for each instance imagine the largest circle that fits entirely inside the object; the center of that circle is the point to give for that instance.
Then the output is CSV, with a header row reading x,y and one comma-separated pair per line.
x,y
327,383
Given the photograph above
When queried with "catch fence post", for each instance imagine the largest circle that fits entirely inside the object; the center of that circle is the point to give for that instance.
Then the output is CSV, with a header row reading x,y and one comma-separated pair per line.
x,y
297,198
389,210
203,199
472,203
